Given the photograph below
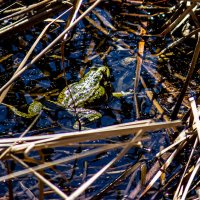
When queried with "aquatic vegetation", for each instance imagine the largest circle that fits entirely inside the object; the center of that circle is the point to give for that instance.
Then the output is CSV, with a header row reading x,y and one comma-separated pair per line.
x,y
145,143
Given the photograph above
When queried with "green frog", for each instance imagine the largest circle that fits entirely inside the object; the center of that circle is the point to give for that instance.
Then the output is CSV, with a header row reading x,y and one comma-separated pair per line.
x,y
76,97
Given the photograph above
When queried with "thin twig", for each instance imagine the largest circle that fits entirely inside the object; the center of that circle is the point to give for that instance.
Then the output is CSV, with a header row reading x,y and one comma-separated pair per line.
x,y
185,170
85,185
48,47
4,93
140,53
187,81
39,176
194,172
195,115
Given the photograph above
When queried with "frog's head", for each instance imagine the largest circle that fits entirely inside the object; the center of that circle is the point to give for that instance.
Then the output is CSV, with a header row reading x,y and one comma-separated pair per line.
x,y
104,70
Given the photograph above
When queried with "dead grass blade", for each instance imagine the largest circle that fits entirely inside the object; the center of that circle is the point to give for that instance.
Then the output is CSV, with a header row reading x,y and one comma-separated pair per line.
x,y
85,185
21,136
48,47
120,178
25,10
155,102
177,193
194,172
4,93
63,160
195,115
175,22
91,135
140,53
39,176
176,42
163,168
187,81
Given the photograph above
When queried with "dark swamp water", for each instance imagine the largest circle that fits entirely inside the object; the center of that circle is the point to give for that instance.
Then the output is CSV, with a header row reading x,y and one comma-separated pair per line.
x,y
85,47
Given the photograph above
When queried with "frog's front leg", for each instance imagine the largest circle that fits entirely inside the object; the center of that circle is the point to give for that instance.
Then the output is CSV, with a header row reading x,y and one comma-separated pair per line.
x,y
85,116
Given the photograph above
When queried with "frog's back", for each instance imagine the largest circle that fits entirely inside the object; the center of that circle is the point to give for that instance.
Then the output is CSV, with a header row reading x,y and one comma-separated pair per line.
x,y
87,91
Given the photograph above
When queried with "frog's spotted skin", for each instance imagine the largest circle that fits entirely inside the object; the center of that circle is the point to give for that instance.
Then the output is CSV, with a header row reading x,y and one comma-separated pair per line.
x,y
87,91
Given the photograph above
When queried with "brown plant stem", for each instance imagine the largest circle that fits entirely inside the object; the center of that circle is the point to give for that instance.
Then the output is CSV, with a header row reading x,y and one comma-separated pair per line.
x,y
48,47
187,81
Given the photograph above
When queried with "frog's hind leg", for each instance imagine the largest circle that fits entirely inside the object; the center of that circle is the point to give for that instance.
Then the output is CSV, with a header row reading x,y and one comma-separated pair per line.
x,y
33,111
86,116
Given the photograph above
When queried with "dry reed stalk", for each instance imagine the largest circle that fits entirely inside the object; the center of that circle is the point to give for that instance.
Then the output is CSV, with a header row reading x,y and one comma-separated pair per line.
x,y
196,116
27,9
73,15
152,7
21,136
178,41
37,146
163,168
20,67
28,22
183,78
62,160
174,24
166,84
92,135
135,2
40,177
76,6
148,16
61,136
187,81
85,185
180,185
5,57
194,172
12,10
48,47
14,24
5,9
140,53
155,102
